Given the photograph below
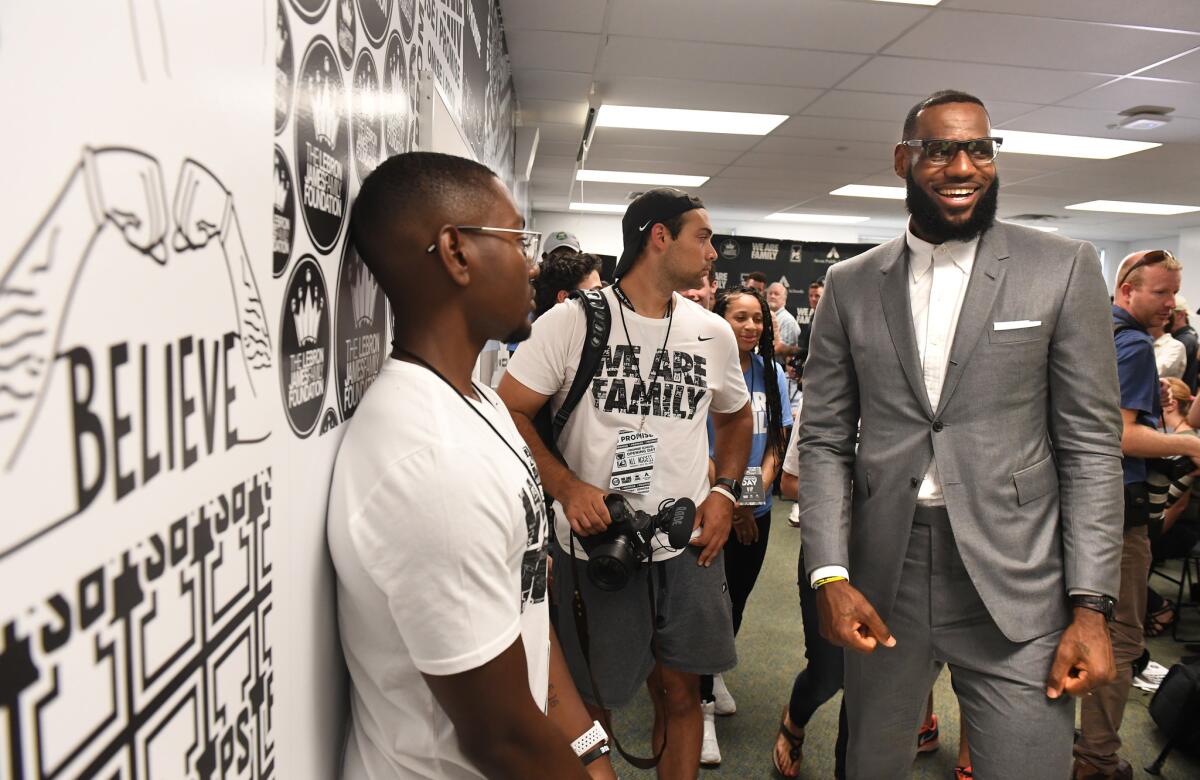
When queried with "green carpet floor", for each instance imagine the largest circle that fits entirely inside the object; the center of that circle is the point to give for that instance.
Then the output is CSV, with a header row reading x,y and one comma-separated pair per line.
x,y
771,652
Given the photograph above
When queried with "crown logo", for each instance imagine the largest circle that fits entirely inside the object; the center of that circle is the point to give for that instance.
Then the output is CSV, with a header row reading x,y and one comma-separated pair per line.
x,y
323,100
307,307
363,294
281,39
281,190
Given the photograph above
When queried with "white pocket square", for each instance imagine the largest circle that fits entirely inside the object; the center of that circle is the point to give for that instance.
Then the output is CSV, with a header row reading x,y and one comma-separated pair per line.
x,y
1016,324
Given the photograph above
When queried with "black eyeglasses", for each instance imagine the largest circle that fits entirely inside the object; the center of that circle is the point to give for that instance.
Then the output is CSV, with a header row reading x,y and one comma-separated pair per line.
x,y
1150,258
940,151
529,240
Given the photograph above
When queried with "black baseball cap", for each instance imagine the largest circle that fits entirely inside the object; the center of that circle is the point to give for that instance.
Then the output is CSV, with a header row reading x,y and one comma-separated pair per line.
x,y
648,209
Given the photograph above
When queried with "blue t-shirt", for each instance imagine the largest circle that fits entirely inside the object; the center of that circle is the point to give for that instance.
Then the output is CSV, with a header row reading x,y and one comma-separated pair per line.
x,y
1138,375
758,408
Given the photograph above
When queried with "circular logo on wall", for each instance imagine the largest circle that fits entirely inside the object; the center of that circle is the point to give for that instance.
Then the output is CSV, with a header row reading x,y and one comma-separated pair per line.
x,y
400,105
310,10
322,144
283,70
304,346
374,15
347,26
407,11
329,421
361,327
365,115
729,249
284,219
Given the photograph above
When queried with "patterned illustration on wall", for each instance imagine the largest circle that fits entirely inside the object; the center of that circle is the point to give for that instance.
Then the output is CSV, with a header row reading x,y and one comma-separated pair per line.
x,y
322,144
374,15
304,338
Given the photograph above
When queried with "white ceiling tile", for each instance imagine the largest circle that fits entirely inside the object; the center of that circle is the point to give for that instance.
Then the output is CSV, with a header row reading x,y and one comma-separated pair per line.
x,y
557,112
586,16
621,135
842,129
1168,14
990,82
652,166
829,25
842,104
1127,93
551,85
706,95
1078,121
842,164
1004,39
1186,68
603,155
626,56
837,148
544,50
549,131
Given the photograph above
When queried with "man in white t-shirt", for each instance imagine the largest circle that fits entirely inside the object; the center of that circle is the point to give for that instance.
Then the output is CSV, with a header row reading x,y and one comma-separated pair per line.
x,y
437,525
667,365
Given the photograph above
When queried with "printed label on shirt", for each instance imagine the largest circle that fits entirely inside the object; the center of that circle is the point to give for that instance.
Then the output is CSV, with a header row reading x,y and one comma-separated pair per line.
x,y
633,463
753,491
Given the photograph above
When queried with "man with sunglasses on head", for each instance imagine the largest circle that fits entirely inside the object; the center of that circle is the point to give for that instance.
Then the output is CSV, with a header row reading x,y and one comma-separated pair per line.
x,y
436,521
667,364
977,523
1144,298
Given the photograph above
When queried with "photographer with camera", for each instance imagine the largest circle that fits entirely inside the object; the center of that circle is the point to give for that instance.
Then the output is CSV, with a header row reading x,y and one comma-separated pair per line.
x,y
641,429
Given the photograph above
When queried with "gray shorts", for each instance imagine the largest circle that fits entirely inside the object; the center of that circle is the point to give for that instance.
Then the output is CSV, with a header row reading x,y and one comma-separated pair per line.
x,y
694,631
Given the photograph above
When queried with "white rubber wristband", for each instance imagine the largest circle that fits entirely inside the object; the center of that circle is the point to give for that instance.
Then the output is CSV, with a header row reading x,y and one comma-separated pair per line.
x,y
589,739
723,491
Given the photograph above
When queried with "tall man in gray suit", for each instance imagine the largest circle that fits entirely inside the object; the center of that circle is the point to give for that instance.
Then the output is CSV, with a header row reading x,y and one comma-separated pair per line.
x,y
978,523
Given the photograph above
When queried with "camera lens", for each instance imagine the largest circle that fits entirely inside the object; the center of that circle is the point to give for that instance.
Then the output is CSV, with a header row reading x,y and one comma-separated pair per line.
x,y
610,566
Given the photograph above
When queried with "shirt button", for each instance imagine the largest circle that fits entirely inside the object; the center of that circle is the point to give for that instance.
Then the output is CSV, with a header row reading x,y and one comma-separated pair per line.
x,y
937,426
915,482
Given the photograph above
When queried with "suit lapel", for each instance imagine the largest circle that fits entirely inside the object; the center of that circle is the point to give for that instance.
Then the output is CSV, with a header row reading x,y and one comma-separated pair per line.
x,y
982,288
893,290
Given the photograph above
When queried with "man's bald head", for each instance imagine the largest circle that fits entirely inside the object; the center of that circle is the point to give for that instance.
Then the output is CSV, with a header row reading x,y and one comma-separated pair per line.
x,y
406,199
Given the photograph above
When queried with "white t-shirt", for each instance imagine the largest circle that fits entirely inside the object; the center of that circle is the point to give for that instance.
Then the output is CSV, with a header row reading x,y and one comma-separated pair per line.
x,y
700,372
439,537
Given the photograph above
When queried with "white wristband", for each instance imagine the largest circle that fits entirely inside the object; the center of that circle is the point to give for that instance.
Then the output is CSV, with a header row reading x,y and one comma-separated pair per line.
x,y
723,491
589,739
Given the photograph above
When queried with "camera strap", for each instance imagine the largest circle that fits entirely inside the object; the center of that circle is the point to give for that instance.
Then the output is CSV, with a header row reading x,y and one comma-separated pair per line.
x,y
579,608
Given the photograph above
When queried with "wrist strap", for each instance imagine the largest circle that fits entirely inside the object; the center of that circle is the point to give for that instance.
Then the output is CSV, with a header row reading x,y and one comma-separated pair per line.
x,y
596,753
589,739
827,580
723,491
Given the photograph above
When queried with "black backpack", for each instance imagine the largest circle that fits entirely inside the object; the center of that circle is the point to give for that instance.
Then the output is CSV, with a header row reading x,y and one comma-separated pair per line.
x,y
1175,708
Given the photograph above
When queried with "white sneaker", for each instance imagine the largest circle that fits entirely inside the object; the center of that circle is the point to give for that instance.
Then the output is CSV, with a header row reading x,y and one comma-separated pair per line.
x,y
710,752
724,699
794,517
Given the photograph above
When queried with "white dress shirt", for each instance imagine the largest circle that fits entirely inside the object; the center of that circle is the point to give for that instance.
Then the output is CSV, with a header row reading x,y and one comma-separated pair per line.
x,y
937,284
1171,356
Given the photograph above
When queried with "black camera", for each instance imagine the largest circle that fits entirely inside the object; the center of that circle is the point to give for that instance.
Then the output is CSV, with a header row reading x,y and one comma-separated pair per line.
x,y
615,554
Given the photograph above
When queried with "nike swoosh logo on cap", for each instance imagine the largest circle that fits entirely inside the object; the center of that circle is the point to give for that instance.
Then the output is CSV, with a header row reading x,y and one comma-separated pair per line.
x,y
643,227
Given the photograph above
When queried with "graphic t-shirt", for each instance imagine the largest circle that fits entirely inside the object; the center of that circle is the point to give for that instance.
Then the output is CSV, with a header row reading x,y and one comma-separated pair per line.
x,y
758,404
439,537
697,372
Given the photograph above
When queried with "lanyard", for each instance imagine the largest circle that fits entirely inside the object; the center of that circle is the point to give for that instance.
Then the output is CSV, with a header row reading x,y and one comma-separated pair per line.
x,y
524,463
624,299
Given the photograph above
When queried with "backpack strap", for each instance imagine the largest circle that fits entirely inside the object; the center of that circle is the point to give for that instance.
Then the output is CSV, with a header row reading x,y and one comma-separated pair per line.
x,y
599,320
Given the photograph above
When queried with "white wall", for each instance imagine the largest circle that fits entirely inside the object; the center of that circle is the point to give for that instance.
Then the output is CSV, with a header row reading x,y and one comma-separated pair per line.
x,y
1185,245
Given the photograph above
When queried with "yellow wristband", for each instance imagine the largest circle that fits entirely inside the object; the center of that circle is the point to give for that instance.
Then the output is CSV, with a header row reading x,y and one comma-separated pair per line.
x,y
827,580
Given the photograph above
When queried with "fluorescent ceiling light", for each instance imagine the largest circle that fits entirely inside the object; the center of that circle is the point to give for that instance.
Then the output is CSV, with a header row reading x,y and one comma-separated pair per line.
x,y
1132,207
820,219
636,177
604,208
688,120
1055,145
911,2
870,191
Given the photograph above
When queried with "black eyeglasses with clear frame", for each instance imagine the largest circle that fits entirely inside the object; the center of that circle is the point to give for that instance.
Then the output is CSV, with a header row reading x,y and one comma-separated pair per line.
x,y
940,151
529,240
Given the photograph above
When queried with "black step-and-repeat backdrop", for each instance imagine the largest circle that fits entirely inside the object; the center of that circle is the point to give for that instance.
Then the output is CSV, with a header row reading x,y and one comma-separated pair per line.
x,y
176,365
794,264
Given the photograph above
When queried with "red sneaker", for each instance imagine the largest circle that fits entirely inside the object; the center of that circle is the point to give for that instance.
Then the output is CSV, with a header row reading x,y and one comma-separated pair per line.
x,y
927,737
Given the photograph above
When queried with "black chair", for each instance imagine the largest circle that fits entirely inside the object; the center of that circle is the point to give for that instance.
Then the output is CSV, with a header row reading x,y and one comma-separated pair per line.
x,y
1188,582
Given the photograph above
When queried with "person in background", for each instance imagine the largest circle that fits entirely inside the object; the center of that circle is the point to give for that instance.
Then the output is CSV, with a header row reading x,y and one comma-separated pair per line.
x,y
558,242
560,274
1182,330
746,311
1170,355
458,681
787,338
756,280
705,294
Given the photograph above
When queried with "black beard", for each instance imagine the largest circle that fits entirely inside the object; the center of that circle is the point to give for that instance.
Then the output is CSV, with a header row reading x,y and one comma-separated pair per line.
x,y
520,334
929,220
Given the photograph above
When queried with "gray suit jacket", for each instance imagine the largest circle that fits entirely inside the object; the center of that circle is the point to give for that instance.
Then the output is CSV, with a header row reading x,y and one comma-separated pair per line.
x,y
1027,434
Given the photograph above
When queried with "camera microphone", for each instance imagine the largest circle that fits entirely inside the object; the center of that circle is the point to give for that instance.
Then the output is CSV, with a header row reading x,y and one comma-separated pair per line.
x,y
680,522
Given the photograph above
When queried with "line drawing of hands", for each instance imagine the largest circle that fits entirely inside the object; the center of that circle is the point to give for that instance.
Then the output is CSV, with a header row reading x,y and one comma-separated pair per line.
x,y
201,208
128,191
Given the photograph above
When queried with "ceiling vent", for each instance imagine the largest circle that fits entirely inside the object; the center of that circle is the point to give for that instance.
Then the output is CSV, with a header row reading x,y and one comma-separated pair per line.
x,y
1038,218
1143,118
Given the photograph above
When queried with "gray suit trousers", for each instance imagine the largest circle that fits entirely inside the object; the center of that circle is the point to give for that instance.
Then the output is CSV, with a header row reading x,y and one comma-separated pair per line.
x,y
938,618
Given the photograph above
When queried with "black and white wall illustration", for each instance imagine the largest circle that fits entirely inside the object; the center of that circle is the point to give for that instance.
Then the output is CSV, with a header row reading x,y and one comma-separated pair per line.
x,y
175,367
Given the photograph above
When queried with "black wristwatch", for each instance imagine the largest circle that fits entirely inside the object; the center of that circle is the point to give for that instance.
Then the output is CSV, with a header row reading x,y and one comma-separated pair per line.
x,y
1105,605
732,485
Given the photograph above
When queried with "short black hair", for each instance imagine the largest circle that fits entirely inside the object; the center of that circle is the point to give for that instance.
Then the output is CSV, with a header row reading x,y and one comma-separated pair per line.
x,y
818,283
411,184
938,98
757,276
560,271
